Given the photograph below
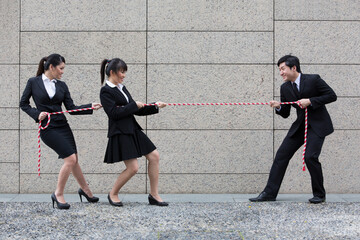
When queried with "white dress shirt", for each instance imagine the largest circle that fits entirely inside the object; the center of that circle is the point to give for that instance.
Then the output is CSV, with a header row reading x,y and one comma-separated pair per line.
x,y
120,87
297,81
49,86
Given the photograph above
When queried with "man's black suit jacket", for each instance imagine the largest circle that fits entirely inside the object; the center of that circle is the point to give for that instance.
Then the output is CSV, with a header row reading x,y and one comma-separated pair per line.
x,y
120,112
35,88
319,93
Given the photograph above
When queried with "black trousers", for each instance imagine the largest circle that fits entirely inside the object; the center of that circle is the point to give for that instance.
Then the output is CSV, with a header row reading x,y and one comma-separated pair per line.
x,y
285,152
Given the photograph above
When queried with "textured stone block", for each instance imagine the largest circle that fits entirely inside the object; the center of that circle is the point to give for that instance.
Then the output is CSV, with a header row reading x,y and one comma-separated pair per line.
x,y
9,145
340,163
317,10
284,123
9,92
209,84
210,47
29,155
211,15
319,42
212,117
84,85
9,28
26,122
91,146
84,15
9,177
84,47
339,77
213,151
9,118
211,183
345,113
201,84
98,183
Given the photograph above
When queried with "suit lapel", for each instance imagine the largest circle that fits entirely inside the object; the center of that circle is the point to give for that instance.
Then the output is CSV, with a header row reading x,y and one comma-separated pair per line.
x,y
119,94
302,83
41,84
127,94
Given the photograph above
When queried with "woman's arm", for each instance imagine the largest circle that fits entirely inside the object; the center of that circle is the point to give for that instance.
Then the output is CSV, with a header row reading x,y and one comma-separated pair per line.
x,y
25,102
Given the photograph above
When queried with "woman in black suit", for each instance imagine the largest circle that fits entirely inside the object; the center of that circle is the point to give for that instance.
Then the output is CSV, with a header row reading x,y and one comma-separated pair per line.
x,y
48,93
127,142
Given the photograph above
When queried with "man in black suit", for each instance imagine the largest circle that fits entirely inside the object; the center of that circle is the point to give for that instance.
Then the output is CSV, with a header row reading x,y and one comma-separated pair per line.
x,y
312,93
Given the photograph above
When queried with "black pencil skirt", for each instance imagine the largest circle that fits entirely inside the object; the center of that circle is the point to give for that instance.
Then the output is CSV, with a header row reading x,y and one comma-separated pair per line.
x,y
128,146
59,139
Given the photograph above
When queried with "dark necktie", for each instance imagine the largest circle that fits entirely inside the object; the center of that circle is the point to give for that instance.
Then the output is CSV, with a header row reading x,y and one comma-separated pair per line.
x,y
296,91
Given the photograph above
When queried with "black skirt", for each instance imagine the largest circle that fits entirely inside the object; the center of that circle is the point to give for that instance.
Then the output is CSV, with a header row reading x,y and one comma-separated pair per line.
x,y
128,146
59,139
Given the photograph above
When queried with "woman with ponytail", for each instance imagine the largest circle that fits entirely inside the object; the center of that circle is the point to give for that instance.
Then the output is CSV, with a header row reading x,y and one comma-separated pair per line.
x,y
49,93
127,142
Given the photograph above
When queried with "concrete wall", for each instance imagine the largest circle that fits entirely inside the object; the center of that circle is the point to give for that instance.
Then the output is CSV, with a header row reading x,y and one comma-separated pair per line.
x,y
183,51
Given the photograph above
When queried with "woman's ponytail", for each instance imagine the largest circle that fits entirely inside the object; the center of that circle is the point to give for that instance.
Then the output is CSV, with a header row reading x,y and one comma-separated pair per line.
x,y
102,70
41,69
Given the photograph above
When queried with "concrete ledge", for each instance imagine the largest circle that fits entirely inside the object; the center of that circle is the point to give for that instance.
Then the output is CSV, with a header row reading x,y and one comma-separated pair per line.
x,y
199,198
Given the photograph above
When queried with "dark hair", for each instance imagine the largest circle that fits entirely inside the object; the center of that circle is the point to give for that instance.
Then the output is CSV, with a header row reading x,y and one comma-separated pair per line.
x,y
115,65
290,61
53,59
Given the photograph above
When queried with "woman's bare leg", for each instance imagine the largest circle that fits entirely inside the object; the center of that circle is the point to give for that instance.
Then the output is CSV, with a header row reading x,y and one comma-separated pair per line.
x,y
153,172
79,176
132,168
64,174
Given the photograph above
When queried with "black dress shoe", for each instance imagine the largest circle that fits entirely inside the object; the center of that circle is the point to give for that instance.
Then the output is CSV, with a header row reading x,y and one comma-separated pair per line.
x,y
263,197
317,200
116,204
90,199
59,204
153,201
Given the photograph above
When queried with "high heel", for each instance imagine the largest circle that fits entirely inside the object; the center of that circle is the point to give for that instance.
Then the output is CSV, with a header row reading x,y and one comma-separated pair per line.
x,y
59,204
116,204
90,199
153,201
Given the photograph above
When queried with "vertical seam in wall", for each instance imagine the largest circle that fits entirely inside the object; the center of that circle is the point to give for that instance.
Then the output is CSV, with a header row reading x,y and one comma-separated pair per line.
x,y
19,145
146,85
273,89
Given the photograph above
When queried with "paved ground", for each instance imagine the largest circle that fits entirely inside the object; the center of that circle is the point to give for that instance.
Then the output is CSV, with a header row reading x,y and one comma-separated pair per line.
x,y
189,216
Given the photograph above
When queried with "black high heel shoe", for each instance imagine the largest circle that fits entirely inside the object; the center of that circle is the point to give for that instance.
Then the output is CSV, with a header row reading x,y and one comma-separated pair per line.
x,y
116,204
90,199
153,201
59,204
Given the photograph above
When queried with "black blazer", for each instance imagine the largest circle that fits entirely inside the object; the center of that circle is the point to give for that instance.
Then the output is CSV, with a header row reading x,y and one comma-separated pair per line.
x,y
120,112
319,93
35,88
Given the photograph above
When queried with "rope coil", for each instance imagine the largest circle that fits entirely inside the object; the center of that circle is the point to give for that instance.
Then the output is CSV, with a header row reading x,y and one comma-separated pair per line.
x,y
47,124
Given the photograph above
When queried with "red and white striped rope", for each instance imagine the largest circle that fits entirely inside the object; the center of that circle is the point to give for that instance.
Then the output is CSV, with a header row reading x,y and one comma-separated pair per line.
x,y
47,124
217,104
305,137
179,104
